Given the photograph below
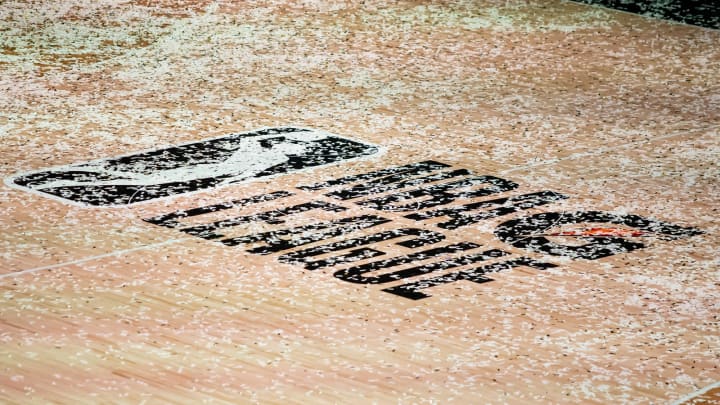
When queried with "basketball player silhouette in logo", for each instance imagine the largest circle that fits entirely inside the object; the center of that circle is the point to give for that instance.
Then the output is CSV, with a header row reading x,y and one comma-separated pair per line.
x,y
190,167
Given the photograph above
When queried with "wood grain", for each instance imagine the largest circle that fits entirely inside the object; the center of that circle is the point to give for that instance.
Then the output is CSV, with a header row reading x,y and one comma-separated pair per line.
x,y
616,112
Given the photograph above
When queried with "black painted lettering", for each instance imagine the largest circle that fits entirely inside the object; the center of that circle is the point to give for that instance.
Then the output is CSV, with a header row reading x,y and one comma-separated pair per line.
x,y
172,220
439,194
277,241
462,215
422,237
355,274
207,231
478,275
531,233
394,182
407,170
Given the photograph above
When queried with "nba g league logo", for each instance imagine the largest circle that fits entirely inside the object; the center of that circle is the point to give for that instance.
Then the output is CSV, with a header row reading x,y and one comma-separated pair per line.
x,y
432,196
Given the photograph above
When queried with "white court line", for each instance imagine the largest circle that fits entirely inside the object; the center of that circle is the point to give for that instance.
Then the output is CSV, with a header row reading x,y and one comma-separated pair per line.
x,y
599,151
90,258
696,393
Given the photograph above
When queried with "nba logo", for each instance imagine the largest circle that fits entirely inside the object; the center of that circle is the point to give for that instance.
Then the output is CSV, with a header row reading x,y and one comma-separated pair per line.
x,y
182,169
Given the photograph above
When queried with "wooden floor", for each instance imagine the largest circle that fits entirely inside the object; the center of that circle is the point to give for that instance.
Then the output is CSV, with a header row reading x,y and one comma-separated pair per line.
x,y
530,214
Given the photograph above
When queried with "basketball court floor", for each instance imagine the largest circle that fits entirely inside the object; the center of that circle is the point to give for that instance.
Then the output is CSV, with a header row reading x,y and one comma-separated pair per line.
x,y
357,202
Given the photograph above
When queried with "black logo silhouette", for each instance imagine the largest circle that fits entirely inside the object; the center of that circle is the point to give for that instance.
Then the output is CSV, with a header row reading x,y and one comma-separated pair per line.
x,y
195,166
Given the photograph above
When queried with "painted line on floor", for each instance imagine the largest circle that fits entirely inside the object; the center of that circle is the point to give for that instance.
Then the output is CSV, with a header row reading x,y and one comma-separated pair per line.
x,y
91,258
600,151
696,393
